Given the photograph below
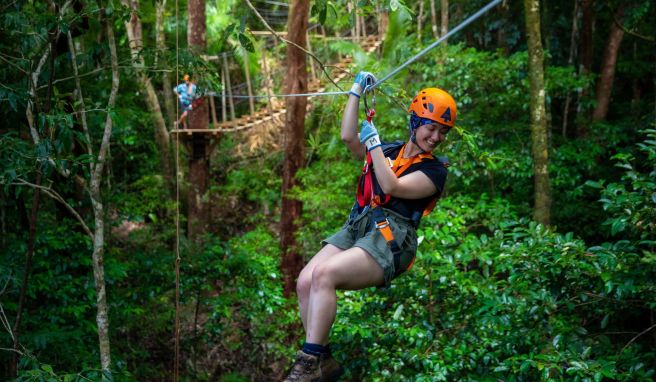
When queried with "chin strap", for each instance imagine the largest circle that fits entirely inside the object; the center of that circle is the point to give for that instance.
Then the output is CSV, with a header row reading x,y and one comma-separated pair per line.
x,y
413,138
415,122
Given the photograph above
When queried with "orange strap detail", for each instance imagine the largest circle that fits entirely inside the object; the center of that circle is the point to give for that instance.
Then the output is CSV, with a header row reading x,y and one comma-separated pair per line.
x,y
385,230
401,164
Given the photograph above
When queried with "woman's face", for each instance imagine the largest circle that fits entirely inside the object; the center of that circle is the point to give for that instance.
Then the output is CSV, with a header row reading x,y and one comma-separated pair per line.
x,y
430,135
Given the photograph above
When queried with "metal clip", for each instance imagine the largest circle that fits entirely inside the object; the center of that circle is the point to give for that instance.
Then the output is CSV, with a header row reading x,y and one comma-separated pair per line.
x,y
370,112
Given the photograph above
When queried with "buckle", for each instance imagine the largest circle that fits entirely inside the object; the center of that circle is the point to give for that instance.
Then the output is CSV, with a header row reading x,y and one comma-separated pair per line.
x,y
382,224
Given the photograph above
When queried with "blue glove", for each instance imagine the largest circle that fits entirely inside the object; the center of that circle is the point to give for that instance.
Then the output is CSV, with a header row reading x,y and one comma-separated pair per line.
x,y
369,136
362,80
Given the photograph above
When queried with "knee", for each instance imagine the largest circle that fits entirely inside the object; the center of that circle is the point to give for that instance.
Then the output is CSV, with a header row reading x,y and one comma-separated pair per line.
x,y
322,277
303,284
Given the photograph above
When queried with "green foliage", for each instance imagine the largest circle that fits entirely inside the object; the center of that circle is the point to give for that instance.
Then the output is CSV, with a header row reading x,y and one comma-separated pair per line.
x,y
492,295
238,284
512,302
631,203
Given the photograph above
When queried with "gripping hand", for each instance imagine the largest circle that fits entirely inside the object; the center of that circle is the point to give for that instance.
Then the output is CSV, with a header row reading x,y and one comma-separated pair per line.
x,y
369,136
362,80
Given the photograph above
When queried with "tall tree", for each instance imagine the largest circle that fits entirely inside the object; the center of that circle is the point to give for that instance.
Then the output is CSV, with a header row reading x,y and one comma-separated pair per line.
x,y
539,132
434,19
296,81
92,183
607,71
160,42
586,44
135,38
199,146
444,17
102,317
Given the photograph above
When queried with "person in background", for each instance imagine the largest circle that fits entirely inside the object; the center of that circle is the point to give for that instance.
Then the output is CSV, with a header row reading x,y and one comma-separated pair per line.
x,y
400,183
186,93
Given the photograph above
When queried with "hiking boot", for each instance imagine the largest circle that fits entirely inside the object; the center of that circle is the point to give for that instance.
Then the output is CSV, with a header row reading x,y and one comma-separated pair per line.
x,y
310,368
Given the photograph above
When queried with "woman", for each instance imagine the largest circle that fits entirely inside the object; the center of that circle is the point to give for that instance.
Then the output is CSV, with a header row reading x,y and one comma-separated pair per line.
x,y
378,242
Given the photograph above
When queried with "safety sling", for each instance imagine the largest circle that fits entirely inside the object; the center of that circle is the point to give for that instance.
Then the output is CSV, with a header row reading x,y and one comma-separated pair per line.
x,y
366,196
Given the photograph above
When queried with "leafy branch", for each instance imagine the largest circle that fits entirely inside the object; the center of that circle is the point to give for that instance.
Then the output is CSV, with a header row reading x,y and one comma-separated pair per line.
x,y
57,197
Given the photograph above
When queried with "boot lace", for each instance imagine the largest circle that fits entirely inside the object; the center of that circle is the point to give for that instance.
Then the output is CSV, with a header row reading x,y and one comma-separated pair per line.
x,y
302,366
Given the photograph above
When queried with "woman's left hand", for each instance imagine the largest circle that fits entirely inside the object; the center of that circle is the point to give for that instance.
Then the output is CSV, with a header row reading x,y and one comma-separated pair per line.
x,y
369,136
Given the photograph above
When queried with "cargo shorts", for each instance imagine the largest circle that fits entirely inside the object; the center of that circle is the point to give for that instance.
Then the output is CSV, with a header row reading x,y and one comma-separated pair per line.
x,y
360,231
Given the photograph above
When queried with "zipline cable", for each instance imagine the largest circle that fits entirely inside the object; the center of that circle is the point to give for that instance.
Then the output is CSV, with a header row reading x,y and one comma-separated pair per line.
x,y
453,31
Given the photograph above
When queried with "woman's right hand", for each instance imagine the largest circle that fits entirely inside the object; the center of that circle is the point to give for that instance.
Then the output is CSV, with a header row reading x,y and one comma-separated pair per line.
x,y
362,81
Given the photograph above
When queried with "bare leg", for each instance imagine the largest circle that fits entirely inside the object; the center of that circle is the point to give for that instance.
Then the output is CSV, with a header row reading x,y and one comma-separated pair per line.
x,y
305,279
350,269
183,119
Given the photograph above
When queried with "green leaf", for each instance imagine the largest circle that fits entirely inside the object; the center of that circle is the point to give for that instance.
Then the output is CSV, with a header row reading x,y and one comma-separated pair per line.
x,y
246,42
604,322
394,5
47,368
398,312
618,225
594,184
556,340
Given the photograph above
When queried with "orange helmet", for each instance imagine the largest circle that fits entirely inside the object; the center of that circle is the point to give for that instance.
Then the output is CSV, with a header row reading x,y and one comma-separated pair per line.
x,y
436,105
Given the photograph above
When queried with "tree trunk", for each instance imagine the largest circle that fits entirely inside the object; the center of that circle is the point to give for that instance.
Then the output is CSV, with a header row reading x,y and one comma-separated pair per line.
x,y
420,16
570,61
296,82
160,42
13,369
585,65
444,18
249,86
607,72
436,34
199,168
102,316
135,38
539,133
199,117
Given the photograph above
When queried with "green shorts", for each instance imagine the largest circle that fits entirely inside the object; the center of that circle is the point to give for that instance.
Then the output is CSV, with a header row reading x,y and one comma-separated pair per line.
x,y
360,231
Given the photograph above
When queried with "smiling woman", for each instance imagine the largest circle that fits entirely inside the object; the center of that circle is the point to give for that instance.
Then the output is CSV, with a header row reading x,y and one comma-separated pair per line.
x,y
400,182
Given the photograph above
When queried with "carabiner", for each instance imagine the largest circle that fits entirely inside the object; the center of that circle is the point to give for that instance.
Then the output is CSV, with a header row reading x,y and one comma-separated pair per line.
x,y
370,112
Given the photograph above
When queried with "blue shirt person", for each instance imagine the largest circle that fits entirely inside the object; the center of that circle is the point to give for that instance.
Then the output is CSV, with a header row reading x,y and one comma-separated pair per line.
x,y
186,93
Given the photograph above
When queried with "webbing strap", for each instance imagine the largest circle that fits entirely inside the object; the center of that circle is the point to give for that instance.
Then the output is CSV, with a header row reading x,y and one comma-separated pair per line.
x,y
365,193
383,226
405,163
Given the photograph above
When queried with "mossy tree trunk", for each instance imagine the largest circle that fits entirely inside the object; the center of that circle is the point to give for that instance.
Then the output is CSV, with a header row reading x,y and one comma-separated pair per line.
x,y
539,132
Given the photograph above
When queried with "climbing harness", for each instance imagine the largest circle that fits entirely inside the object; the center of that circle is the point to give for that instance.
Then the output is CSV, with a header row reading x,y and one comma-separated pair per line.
x,y
366,197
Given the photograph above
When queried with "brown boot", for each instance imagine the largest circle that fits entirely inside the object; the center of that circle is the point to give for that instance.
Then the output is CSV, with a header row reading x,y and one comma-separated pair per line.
x,y
310,368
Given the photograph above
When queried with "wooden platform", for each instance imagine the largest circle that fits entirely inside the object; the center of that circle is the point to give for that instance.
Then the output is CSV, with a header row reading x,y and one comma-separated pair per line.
x,y
190,132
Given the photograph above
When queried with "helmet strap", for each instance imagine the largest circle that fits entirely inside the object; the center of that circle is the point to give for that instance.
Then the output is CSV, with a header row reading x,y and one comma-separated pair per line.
x,y
413,138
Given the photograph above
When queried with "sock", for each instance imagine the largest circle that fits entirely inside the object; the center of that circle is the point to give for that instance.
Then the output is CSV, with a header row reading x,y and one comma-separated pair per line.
x,y
315,349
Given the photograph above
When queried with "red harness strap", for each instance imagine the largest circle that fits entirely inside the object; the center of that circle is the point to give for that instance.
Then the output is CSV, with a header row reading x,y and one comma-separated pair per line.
x,y
366,195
